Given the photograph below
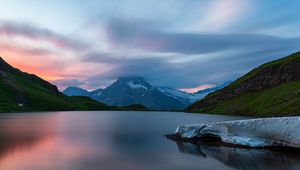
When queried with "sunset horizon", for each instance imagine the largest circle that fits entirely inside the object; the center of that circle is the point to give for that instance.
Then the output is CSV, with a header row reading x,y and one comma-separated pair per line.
x,y
91,44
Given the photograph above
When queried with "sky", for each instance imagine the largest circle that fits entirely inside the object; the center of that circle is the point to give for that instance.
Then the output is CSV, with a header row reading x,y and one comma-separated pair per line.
x,y
184,44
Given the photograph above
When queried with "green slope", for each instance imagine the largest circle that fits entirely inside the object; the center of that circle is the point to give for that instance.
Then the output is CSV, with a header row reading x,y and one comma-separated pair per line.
x,y
35,94
272,89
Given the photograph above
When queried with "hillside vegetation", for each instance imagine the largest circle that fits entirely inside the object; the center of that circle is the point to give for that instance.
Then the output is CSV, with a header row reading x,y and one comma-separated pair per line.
x,y
272,89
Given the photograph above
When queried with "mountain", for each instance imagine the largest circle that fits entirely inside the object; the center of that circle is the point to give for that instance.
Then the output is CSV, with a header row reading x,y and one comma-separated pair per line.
x,y
272,89
95,94
76,91
177,94
190,98
21,91
135,90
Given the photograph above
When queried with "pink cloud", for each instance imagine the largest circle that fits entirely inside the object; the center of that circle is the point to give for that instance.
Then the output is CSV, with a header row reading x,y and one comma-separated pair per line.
x,y
37,61
32,32
196,89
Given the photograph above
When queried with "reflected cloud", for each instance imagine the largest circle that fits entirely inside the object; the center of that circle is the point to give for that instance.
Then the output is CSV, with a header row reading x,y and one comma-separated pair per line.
x,y
23,133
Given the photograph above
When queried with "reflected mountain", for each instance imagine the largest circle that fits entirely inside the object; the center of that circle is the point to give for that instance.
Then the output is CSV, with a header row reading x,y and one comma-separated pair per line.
x,y
244,158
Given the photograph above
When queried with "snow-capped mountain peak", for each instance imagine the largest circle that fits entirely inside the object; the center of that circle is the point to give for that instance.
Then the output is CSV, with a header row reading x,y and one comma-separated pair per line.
x,y
135,90
174,93
133,85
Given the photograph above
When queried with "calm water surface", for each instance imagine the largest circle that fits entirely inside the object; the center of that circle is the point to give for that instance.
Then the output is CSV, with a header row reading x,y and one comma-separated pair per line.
x,y
120,141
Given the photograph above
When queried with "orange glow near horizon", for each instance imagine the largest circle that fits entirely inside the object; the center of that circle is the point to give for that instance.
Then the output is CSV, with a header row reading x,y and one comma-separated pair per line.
x,y
196,89
29,67
32,60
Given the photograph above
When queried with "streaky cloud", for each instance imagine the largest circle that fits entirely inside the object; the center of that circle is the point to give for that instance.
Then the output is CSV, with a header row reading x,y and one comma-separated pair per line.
x,y
136,34
34,32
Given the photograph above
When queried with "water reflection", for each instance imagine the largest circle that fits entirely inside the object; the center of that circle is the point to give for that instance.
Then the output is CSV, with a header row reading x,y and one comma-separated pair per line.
x,y
97,140
243,158
23,132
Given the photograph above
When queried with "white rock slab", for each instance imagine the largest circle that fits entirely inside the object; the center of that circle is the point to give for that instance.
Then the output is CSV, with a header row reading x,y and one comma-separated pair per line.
x,y
283,131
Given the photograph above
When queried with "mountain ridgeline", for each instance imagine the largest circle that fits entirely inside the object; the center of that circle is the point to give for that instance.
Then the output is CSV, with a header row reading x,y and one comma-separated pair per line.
x,y
272,89
131,90
21,91
135,90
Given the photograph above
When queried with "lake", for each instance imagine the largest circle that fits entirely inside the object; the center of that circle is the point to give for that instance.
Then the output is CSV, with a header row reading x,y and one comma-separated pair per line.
x,y
121,141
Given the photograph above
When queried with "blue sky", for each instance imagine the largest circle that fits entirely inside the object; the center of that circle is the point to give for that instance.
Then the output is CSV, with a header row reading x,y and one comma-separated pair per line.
x,y
178,43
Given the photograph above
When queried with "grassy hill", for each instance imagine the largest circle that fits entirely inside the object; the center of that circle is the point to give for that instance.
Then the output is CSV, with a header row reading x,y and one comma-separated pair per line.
x,y
21,91
272,89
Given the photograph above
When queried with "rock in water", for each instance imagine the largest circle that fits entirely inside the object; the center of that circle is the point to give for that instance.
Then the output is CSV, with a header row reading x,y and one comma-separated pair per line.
x,y
264,132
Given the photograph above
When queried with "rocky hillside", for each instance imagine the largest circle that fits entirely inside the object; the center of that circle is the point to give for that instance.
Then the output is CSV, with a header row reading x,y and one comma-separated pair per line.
x,y
21,91
272,89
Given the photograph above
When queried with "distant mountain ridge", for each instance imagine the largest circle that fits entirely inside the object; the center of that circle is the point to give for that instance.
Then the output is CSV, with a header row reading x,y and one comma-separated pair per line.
x,y
273,89
135,90
75,91
21,91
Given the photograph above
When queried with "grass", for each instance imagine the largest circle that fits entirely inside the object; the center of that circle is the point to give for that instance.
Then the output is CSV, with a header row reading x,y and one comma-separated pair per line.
x,y
282,100
292,57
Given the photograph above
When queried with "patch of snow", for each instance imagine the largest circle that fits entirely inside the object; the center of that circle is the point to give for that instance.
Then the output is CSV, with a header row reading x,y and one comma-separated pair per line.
x,y
252,133
174,93
136,86
189,97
